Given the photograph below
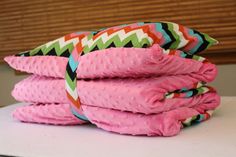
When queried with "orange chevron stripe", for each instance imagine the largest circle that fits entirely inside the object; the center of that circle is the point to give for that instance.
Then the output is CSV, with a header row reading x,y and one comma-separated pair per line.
x,y
211,89
80,36
172,52
109,31
207,116
127,29
206,61
186,36
195,85
155,39
79,48
176,95
76,103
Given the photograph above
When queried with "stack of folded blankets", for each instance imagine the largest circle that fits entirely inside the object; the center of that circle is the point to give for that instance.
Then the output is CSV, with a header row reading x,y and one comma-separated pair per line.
x,y
137,79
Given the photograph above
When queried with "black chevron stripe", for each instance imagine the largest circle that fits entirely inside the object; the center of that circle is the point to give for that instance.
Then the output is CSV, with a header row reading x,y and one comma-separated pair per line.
x,y
23,54
197,118
188,56
82,53
195,92
111,45
95,33
129,44
66,53
95,48
70,72
145,45
52,52
168,32
205,43
39,53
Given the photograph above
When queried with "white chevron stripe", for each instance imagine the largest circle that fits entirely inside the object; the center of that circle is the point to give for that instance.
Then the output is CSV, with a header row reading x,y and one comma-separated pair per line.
x,y
187,121
210,112
74,93
183,41
199,84
205,89
122,35
201,59
62,42
52,42
166,51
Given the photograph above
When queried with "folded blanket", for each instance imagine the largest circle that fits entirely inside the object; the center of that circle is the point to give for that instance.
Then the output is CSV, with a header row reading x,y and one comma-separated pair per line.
x,y
163,124
120,62
128,106
140,79
144,95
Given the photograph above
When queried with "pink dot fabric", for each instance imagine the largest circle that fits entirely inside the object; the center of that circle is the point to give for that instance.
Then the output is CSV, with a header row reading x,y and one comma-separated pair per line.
x,y
121,90
57,114
163,124
130,106
117,62
144,95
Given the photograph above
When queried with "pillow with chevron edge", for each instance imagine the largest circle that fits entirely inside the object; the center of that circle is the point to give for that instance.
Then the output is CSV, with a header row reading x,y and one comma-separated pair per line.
x,y
168,35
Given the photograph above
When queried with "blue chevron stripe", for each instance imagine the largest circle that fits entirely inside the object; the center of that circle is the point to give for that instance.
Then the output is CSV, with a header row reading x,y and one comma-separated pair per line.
x,y
165,35
81,117
73,64
195,48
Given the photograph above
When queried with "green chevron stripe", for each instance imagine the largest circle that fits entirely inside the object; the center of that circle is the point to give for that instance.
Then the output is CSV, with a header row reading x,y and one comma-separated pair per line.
x,y
71,83
200,90
118,43
176,43
210,40
55,45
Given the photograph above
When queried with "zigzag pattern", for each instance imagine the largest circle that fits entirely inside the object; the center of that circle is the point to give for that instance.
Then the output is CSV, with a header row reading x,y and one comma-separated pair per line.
x,y
168,35
126,37
197,119
60,47
188,93
135,38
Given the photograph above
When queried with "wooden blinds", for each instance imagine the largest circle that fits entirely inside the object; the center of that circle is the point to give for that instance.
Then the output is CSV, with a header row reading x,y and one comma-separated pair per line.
x,y
25,24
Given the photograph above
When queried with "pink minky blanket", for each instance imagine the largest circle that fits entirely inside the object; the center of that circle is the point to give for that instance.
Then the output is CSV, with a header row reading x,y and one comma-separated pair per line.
x,y
121,90
163,124
118,62
127,106
144,95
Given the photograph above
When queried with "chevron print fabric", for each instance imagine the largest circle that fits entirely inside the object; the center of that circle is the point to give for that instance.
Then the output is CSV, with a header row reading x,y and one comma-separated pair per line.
x,y
60,47
168,35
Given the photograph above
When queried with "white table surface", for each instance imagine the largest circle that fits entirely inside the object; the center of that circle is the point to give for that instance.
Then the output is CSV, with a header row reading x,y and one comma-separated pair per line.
x,y
213,138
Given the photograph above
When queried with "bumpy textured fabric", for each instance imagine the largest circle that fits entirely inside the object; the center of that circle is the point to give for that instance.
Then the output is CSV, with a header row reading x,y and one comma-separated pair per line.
x,y
120,62
57,114
157,86
141,35
144,95
163,124
126,62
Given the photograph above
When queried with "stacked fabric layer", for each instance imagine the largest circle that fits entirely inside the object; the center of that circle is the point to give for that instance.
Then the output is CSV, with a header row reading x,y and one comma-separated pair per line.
x,y
139,79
